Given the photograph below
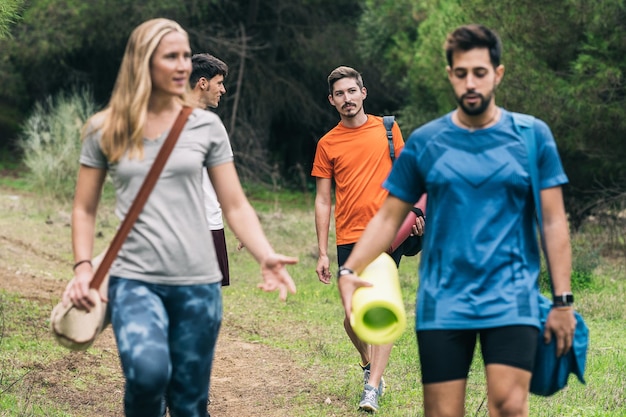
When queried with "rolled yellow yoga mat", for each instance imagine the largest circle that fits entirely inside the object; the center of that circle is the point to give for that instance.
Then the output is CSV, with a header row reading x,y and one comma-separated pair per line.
x,y
378,315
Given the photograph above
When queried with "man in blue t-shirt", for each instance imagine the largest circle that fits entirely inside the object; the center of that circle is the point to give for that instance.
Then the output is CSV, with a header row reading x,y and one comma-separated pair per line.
x,y
478,273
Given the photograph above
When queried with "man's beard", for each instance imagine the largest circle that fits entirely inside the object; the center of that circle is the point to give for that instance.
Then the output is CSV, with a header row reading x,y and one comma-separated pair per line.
x,y
352,112
478,109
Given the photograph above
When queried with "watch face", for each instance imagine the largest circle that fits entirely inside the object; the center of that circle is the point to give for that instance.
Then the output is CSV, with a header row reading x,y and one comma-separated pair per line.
x,y
564,299
344,271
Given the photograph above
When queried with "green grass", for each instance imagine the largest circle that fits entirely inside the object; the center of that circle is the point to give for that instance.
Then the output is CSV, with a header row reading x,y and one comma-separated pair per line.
x,y
25,346
277,199
12,171
309,327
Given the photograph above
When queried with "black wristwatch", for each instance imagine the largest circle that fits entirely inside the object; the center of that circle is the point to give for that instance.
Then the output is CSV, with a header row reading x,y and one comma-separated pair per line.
x,y
418,211
565,299
343,271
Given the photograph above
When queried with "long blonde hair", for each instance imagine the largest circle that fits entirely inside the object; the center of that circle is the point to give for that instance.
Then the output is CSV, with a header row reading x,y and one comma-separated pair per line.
x,y
122,120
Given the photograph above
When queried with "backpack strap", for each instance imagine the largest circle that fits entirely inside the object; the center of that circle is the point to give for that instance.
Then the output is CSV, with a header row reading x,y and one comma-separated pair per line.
x,y
524,125
388,122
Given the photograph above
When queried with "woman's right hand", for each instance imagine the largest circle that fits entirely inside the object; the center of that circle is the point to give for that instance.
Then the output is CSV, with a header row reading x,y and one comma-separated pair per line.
x,y
275,275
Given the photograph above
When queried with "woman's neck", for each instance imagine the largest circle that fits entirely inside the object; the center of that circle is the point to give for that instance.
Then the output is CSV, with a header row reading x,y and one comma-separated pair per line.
x,y
160,117
158,104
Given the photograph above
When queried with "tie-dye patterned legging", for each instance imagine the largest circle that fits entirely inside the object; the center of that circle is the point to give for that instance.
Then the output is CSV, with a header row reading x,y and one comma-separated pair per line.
x,y
166,337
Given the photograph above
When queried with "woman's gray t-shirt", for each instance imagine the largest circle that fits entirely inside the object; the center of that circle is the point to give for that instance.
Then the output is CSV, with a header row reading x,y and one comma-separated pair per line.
x,y
170,242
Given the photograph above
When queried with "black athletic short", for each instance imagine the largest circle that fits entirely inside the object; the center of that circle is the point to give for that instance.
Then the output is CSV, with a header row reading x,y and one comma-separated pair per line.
x,y
446,355
343,251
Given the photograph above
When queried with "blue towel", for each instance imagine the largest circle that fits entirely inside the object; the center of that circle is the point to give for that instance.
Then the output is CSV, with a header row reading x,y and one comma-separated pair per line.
x,y
550,373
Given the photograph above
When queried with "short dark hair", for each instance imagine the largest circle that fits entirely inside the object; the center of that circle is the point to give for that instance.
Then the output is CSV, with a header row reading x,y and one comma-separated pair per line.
x,y
468,37
343,72
207,66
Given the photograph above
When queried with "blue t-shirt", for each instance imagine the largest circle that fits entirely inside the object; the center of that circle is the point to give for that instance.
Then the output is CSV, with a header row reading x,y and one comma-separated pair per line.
x,y
480,259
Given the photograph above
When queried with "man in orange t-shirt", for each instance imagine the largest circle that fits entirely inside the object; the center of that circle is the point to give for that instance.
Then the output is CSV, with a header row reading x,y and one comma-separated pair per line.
x,y
355,154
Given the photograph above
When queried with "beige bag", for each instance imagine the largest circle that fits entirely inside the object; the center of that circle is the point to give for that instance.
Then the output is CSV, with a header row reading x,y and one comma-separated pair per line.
x,y
77,329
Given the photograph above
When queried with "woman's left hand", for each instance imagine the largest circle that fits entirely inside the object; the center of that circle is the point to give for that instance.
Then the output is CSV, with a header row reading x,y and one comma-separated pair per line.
x,y
275,275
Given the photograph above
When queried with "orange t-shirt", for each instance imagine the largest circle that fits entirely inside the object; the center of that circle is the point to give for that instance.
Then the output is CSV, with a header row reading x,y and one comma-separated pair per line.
x,y
358,160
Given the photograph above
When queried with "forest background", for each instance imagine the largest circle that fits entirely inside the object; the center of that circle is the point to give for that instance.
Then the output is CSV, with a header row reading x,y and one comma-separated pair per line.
x,y
565,63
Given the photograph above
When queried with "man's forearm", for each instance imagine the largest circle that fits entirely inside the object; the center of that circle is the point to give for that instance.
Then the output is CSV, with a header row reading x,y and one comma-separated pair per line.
x,y
322,225
559,256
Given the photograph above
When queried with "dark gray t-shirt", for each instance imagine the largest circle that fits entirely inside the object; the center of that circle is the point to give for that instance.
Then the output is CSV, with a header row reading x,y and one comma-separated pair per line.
x,y
170,242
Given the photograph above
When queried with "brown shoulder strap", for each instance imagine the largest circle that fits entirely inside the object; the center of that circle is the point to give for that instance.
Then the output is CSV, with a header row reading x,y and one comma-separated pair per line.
x,y
142,196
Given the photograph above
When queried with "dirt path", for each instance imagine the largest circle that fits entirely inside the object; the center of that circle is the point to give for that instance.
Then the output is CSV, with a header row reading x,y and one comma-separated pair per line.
x,y
247,378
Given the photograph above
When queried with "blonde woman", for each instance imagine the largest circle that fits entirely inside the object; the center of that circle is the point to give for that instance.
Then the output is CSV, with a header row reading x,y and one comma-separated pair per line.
x,y
164,291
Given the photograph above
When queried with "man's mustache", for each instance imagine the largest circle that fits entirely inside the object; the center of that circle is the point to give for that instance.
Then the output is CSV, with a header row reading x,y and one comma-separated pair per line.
x,y
472,94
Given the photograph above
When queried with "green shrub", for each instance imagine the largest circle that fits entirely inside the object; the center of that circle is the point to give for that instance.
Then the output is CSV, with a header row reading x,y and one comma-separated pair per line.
x,y
51,143
585,259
